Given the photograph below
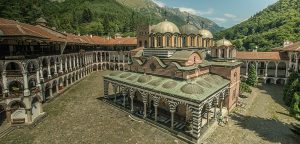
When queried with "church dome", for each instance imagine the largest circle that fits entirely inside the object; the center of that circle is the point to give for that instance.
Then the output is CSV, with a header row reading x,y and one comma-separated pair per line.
x,y
192,89
206,33
223,42
165,27
188,29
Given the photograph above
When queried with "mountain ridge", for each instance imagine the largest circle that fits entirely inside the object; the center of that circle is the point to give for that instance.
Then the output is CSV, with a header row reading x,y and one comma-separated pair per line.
x,y
268,28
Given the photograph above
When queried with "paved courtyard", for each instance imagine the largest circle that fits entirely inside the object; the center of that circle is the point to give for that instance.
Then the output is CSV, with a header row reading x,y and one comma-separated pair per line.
x,y
265,121
77,116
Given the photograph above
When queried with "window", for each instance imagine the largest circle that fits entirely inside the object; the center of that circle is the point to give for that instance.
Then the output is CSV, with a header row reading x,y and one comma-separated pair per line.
x,y
175,41
152,42
184,41
140,43
159,41
222,53
192,41
168,41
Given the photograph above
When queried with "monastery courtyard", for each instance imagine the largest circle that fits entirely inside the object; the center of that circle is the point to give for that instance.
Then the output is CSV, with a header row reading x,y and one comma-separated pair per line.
x,y
77,116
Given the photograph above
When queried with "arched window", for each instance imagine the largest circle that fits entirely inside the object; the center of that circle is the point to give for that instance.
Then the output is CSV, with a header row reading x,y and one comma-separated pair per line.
x,y
192,41
184,44
140,43
168,38
222,53
152,42
159,41
175,41
145,44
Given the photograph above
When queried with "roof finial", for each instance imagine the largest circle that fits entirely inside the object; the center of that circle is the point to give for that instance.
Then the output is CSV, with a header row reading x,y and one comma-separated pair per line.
x,y
165,14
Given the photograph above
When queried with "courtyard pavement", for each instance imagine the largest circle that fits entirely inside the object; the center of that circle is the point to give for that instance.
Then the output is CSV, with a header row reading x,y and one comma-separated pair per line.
x,y
77,116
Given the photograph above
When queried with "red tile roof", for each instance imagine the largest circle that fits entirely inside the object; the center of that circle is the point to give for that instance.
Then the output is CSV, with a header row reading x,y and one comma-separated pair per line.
x,y
11,28
260,56
292,47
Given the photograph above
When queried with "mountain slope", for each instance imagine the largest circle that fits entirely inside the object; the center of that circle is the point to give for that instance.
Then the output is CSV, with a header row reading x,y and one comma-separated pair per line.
x,y
99,17
150,9
268,28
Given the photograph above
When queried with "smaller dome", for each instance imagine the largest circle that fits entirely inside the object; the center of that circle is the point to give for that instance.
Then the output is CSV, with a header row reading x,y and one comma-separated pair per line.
x,y
132,77
188,29
223,42
206,33
192,89
169,84
156,82
144,78
41,20
165,27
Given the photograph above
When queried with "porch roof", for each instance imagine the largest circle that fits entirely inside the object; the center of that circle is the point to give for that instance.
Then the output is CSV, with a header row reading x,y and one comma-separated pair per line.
x,y
196,90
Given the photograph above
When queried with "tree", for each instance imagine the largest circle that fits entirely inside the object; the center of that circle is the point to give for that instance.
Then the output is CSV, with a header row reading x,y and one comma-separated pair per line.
x,y
295,105
245,88
290,87
87,15
252,76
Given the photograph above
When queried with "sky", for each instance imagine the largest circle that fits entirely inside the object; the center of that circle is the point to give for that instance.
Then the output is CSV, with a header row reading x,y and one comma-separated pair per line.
x,y
225,13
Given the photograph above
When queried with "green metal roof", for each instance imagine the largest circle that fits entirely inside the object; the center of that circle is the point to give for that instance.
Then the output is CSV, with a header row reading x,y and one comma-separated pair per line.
x,y
197,89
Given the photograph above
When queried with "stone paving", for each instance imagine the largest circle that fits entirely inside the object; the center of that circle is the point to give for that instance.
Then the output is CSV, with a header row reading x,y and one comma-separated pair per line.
x,y
266,120
77,116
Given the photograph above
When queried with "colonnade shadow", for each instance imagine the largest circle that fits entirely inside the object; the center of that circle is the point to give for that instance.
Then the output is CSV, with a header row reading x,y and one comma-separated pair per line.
x,y
268,129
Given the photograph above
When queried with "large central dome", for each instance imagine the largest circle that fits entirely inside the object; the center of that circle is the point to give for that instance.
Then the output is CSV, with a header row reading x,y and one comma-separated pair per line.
x,y
165,27
189,29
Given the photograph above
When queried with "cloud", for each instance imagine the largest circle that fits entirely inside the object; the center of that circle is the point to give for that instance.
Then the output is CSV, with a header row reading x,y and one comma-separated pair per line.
x,y
188,10
228,15
208,12
196,12
219,20
159,3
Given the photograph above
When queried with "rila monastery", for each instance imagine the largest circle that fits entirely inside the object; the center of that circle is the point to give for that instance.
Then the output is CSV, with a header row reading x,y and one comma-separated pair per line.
x,y
168,83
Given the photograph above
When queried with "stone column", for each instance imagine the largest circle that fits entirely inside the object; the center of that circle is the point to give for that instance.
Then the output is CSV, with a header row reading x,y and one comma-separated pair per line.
x,y
196,124
4,80
155,104
266,71
207,112
124,93
49,71
131,98
221,103
74,65
61,67
50,92
55,69
26,90
38,81
145,101
66,65
215,109
77,62
70,63
172,106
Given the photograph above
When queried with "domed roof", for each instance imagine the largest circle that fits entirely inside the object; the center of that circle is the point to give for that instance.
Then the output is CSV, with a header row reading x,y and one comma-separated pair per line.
x,y
223,42
165,27
188,29
192,89
144,78
206,33
169,84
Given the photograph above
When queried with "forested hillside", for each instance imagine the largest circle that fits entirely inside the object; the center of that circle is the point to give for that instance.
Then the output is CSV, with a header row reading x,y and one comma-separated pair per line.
x,y
100,17
268,28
